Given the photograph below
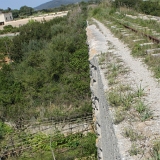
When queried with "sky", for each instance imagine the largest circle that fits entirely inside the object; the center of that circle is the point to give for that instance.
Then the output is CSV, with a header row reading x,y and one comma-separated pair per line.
x,y
16,4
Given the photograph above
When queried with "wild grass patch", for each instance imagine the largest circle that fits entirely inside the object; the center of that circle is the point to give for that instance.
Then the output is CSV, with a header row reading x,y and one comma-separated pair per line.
x,y
134,150
155,152
131,134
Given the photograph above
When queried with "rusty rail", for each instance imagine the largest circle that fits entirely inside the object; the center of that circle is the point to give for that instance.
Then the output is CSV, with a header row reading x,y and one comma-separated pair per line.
x,y
154,39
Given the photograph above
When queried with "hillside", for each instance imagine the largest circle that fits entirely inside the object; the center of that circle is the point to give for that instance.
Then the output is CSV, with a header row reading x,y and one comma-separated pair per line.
x,y
48,79
85,86
55,3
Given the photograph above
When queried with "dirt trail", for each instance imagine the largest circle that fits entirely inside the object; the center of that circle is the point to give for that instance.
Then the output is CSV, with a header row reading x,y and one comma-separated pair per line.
x,y
138,76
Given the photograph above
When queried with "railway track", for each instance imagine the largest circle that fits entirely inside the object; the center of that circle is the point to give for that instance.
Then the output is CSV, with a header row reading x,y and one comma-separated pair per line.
x,y
142,39
121,40
152,38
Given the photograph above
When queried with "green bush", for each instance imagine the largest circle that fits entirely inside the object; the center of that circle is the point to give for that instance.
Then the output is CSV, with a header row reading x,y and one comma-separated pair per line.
x,y
8,27
5,45
4,129
50,66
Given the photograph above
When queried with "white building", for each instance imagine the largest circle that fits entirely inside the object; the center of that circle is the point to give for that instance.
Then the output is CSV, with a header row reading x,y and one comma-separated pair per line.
x,y
5,17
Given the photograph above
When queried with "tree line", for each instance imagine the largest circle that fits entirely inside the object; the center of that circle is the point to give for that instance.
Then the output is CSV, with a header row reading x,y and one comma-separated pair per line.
x,y
148,7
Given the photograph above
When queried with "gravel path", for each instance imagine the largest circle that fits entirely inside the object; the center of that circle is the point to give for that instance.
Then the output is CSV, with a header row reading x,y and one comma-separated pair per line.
x,y
139,73
138,76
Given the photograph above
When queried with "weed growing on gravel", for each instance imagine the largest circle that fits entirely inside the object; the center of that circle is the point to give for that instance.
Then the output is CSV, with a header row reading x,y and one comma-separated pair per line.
x,y
147,114
143,110
154,63
119,115
102,58
111,81
123,98
123,88
132,134
113,72
140,91
134,150
128,100
155,153
114,98
117,98
140,107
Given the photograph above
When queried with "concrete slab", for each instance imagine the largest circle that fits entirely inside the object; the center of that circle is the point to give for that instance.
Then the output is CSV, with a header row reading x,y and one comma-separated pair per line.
x,y
123,30
127,35
156,34
119,28
113,26
146,44
137,40
151,51
155,55
108,22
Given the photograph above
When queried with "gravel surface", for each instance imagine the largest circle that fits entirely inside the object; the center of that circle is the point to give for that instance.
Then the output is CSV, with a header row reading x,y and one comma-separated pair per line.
x,y
139,75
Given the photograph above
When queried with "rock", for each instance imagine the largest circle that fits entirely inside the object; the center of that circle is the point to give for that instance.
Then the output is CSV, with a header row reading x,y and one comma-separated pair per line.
x,y
141,126
149,123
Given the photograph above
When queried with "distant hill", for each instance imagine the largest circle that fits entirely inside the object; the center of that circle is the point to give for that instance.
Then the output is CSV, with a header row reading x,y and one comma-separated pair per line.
x,y
56,3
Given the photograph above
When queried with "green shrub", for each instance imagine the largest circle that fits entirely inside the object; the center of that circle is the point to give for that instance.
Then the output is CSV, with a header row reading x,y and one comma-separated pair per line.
x,y
4,129
50,67
96,11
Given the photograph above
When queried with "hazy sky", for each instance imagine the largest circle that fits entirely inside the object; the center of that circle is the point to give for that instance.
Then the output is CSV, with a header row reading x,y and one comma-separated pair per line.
x,y
16,4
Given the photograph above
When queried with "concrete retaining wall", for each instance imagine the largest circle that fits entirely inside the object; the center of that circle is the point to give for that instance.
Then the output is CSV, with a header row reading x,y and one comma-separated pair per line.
x,y
106,142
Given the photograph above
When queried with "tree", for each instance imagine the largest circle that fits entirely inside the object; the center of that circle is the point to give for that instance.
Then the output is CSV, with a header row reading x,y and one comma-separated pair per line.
x,y
15,13
128,3
152,8
26,11
9,9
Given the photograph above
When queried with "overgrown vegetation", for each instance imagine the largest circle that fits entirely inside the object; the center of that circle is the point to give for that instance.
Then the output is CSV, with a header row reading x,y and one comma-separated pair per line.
x,y
4,129
156,150
48,77
9,29
134,150
151,7
50,69
121,96
39,146
132,134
